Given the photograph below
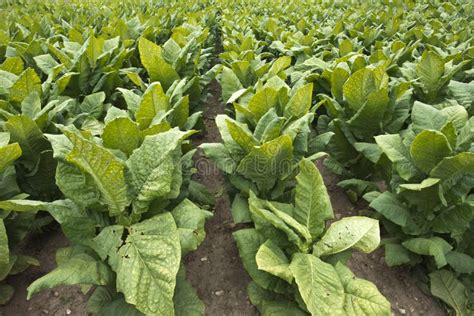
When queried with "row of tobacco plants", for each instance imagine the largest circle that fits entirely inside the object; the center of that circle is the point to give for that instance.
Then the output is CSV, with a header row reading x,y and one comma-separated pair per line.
x,y
387,94
97,108
98,105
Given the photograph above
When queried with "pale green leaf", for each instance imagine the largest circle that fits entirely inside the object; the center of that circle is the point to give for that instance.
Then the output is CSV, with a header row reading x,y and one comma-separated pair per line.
x,y
358,232
148,265
312,203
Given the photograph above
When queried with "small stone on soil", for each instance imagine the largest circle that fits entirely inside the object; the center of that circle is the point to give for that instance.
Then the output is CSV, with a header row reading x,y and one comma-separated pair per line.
x,y
231,225
402,311
68,312
45,311
204,259
56,293
219,293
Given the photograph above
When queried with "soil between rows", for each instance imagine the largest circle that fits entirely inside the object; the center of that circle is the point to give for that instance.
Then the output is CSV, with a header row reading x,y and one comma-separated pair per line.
x,y
215,269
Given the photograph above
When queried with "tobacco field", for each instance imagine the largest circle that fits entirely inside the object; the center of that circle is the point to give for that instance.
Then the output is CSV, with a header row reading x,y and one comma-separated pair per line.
x,y
217,157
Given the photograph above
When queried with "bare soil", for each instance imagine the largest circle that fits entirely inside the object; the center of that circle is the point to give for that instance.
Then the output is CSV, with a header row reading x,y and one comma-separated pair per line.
x,y
64,300
215,269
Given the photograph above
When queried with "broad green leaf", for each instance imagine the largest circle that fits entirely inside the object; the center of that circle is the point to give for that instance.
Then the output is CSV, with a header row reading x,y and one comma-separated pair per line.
x,y
230,83
300,103
426,183
312,203
462,92
460,262
75,222
158,69
457,115
153,101
445,286
93,104
180,114
361,296
132,99
46,63
240,209
361,233
370,151
25,132
449,131
425,116
266,163
220,155
122,134
328,290
259,210
190,220
148,265
185,299
269,303
94,49
430,69
14,65
391,208
361,84
107,171
80,269
434,246
107,302
249,241
262,101
393,147
396,255
27,83
9,154
76,185
339,76
279,65
318,284
4,138
272,259
201,194
107,244
153,166
241,135
368,119
454,166
453,220
428,149
23,205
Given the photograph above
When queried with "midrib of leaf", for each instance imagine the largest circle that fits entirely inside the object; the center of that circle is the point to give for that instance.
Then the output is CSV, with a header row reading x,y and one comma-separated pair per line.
x,y
456,305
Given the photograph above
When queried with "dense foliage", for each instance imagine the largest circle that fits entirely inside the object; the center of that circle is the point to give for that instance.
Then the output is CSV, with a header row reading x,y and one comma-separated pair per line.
x,y
100,101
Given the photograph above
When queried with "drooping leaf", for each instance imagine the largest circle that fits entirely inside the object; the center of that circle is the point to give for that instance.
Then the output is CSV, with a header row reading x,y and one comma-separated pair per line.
x,y
445,286
80,269
434,246
391,208
272,259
